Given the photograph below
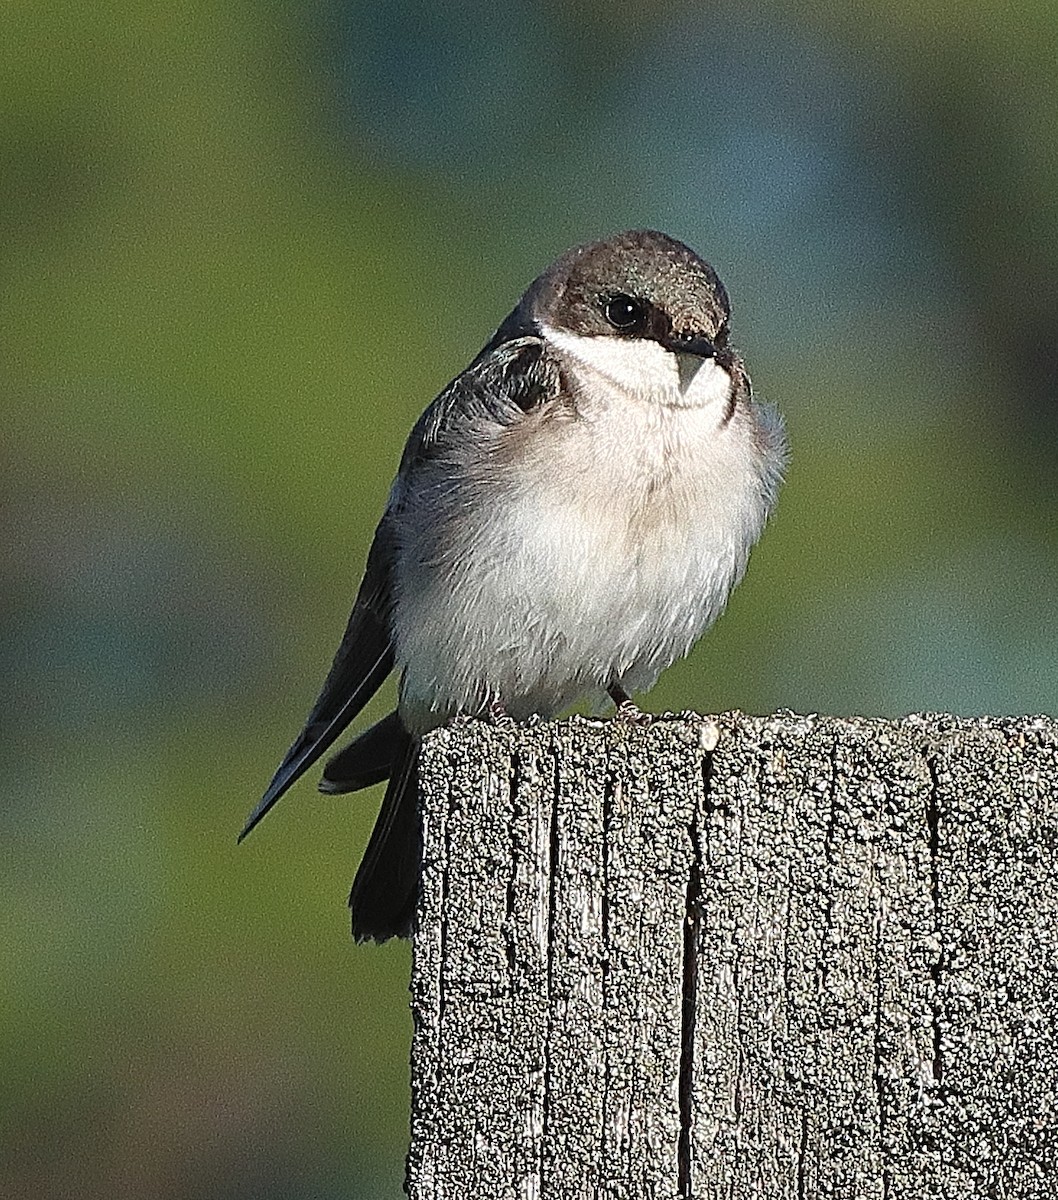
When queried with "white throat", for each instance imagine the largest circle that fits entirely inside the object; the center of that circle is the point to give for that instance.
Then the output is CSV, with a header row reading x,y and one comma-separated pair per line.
x,y
645,370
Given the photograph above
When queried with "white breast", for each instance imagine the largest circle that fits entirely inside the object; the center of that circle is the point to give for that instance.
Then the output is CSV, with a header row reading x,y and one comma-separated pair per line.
x,y
613,542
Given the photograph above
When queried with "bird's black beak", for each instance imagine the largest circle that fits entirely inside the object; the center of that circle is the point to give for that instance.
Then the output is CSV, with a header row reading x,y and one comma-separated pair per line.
x,y
691,351
692,344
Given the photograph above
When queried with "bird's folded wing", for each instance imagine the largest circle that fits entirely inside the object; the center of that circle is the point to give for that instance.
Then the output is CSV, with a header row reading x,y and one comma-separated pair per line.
x,y
363,660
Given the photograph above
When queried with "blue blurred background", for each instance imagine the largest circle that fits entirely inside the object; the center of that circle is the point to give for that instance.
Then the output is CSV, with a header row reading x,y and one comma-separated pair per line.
x,y
243,245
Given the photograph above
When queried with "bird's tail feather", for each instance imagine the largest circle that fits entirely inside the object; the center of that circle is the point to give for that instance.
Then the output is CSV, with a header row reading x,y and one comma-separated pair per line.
x,y
386,889
367,760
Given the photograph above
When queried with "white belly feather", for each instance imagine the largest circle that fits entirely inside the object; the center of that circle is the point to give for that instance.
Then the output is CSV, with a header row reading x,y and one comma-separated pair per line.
x,y
612,545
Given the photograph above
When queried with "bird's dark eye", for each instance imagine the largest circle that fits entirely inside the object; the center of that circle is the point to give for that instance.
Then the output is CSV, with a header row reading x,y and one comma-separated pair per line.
x,y
624,312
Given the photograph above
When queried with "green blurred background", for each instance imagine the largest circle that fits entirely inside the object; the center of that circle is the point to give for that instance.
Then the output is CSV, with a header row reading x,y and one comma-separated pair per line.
x,y
242,247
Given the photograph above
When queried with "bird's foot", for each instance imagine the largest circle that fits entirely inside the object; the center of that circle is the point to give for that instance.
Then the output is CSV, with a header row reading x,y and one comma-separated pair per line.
x,y
631,712
497,715
627,709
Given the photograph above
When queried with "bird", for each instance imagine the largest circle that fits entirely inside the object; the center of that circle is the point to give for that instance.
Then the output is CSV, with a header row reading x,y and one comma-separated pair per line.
x,y
568,517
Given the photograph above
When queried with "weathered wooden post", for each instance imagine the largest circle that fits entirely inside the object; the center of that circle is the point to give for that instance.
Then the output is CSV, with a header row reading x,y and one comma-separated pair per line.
x,y
819,960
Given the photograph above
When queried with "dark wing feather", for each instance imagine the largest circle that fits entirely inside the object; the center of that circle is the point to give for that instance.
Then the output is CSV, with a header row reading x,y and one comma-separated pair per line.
x,y
363,660
511,376
500,386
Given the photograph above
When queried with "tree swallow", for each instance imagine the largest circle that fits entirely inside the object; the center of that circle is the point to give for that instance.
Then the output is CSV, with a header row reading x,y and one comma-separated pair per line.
x,y
568,519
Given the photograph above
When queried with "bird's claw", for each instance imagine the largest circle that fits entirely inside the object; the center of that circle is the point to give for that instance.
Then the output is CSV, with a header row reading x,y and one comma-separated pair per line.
x,y
631,713
498,716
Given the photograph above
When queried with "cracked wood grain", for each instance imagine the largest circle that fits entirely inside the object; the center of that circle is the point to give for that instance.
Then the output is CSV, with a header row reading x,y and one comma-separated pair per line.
x,y
820,960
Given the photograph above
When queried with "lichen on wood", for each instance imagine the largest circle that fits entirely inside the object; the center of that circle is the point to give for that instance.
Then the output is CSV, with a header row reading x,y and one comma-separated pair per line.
x,y
820,959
